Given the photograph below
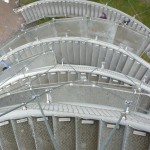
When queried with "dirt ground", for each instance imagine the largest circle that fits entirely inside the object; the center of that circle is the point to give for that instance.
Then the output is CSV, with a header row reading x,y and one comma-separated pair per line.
x,y
9,21
147,1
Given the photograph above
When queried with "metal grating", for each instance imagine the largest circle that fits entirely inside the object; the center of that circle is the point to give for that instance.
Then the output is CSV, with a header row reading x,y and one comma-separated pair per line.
x,y
92,95
65,133
87,135
7,138
42,139
137,142
116,140
23,134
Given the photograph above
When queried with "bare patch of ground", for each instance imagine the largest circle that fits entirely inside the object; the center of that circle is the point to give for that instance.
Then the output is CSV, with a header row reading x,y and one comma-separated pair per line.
x,y
146,1
9,21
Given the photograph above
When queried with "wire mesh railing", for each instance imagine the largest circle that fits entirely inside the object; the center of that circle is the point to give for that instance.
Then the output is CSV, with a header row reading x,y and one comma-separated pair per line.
x,y
81,27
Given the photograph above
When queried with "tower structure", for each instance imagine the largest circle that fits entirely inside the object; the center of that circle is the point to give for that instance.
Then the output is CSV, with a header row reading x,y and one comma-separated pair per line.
x,y
76,82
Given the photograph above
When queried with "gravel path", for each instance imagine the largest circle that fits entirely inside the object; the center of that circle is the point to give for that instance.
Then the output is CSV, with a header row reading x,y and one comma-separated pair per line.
x,y
9,21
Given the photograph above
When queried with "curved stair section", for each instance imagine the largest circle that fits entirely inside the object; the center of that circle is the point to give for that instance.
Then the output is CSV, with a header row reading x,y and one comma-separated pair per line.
x,y
75,83
101,30
84,127
83,51
70,8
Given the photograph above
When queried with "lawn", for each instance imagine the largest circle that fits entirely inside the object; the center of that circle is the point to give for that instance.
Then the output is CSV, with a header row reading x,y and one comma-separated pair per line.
x,y
145,57
25,2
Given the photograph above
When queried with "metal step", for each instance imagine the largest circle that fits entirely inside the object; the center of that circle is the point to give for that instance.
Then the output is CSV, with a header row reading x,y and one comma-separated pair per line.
x,y
82,53
45,47
92,13
39,48
72,76
146,76
80,6
64,129
34,50
102,55
108,58
25,83
103,79
57,11
113,16
17,56
62,76
135,139
115,60
70,52
7,88
118,17
142,70
22,54
44,79
27,15
16,85
95,54
53,77
86,134
8,141
34,80
93,77
127,65
12,59
34,12
28,52
57,49
23,134
117,138
40,133
31,13
41,9
60,9
109,14
134,69
121,63
89,51
76,50
64,52
113,81
24,80
84,9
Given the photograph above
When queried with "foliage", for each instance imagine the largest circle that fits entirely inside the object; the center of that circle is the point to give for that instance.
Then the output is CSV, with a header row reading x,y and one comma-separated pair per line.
x,y
43,20
145,57
25,2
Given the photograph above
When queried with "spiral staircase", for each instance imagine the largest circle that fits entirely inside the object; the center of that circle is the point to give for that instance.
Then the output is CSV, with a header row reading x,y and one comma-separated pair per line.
x,y
75,83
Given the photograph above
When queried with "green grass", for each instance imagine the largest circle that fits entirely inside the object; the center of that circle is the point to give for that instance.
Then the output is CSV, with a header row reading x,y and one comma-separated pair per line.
x,y
145,57
43,20
25,2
